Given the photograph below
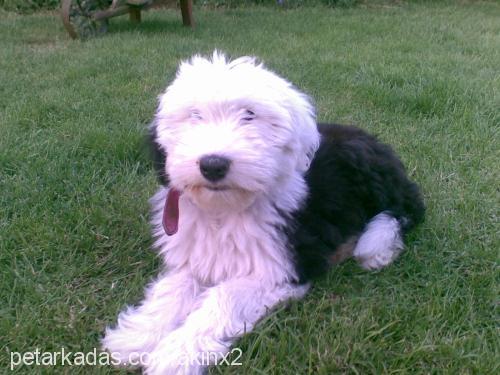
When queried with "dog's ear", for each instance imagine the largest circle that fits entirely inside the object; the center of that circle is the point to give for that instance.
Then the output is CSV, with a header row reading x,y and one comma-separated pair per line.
x,y
158,154
303,116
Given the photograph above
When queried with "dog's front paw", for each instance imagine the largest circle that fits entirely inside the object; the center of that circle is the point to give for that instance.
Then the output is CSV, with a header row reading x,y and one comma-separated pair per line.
x,y
172,357
126,347
181,353
171,365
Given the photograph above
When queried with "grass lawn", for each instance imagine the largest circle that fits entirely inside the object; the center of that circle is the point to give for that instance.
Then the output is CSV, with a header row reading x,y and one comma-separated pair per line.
x,y
75,179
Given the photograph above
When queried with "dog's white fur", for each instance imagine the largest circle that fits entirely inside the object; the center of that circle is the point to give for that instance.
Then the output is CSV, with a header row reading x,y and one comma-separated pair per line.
x,y
228,263
380,242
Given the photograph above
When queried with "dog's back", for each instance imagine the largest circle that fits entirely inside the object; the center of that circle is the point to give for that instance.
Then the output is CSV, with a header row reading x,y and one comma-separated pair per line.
x,y
360,198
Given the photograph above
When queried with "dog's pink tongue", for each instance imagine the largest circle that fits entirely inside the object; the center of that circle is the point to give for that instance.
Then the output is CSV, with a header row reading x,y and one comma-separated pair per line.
x,y
171,212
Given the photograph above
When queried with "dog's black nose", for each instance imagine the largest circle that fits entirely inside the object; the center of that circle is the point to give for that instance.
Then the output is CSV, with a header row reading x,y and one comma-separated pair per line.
x,y
214,167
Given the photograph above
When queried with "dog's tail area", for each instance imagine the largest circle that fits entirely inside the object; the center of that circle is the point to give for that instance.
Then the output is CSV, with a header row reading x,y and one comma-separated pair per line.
x,y
411,211
380,243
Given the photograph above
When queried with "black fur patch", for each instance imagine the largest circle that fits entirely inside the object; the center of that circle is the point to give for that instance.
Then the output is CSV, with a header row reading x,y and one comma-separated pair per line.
x,y
158,155
352,178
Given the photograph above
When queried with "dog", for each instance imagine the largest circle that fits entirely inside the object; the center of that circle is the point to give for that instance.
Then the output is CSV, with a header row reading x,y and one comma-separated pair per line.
x,y
256,201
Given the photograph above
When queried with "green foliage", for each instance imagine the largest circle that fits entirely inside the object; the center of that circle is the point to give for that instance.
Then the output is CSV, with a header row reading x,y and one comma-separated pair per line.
x,y
307,3
276,3
28,6
340,3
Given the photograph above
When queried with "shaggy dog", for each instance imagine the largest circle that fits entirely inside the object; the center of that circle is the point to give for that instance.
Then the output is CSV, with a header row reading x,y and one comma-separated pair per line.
x,y
257,199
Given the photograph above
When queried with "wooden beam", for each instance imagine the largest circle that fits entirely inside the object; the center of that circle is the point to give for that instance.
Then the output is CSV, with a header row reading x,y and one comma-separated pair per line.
x,y
135,14
187,12
108,13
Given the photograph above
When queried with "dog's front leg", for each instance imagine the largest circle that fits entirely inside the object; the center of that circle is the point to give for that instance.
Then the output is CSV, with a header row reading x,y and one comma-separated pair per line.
x,y
224,313
167,302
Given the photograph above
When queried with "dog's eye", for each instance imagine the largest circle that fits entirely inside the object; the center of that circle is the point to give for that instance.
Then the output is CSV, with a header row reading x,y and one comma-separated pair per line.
x,y
249,115
195,115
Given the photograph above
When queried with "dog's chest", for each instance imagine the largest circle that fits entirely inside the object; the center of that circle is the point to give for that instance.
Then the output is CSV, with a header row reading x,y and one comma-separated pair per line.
x,y
217,249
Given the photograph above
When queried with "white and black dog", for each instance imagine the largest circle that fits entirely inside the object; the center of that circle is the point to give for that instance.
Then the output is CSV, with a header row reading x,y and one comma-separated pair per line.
x,y
257,199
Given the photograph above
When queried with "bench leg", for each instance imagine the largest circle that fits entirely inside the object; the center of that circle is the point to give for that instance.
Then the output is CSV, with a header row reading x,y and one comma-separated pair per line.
x,y
187,12
135,14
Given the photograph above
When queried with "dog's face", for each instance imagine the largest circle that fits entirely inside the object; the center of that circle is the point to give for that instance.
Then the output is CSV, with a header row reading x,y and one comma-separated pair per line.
x,y
233,130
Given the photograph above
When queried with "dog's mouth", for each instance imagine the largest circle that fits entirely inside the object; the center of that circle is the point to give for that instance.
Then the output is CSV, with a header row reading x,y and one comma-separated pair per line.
x,y
216,188
171,208
208,196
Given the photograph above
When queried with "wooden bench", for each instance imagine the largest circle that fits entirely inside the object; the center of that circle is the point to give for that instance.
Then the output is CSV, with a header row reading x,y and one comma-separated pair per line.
x,y
90,18
186,11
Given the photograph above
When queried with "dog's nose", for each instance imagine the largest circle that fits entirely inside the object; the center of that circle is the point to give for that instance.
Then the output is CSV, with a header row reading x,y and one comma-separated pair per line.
x,y
214,167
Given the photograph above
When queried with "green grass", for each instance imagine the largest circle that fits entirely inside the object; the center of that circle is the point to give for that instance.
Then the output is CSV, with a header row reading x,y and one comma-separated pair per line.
x,y
75,180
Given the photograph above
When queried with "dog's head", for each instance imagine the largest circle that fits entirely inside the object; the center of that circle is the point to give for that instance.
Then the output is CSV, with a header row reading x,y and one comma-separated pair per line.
x,y
233,130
